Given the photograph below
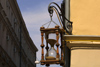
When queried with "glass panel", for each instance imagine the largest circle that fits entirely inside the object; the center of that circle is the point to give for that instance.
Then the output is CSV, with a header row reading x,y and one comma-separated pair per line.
x,y
52,36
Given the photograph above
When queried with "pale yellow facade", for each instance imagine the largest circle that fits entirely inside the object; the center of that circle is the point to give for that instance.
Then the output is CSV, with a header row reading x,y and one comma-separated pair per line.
x,y
85,58
85,15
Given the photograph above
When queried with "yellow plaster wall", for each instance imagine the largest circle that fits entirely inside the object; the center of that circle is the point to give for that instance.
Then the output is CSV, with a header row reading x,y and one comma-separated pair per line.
x,y
85,15
85,58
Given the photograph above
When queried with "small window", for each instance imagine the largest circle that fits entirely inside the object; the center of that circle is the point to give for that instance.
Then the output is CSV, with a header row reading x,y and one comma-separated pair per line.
x,y
14,49
7,4
0,26
3,27
7,37
18,31
7,60
15,20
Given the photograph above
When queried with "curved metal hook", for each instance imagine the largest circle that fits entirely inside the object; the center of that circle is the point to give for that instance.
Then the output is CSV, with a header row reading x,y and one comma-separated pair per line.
x,y
60,14
55,4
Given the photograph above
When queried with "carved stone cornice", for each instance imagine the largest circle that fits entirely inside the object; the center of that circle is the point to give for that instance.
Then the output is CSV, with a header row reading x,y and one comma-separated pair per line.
x,y
24,28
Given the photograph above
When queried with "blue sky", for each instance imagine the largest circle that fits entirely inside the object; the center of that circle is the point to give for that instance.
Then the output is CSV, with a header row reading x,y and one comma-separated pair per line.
x,y
35,14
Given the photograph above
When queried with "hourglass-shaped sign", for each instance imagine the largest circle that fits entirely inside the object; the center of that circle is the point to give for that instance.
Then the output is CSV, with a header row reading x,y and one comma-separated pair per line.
x,y
52,55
